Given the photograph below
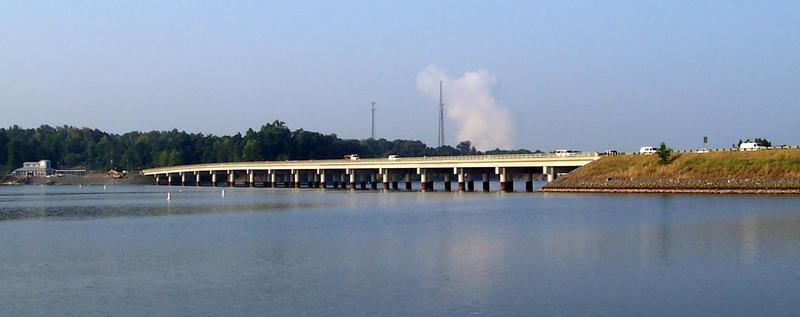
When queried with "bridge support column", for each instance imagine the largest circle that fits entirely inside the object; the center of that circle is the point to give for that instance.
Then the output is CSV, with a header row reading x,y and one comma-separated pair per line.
x,y
529,183
183,179
271,179
213,179
486,182
424,181
353,180
470,183
196,178
322,180
385,180
295,178
231,178
548,171
169,179
158,180
506,179
448,185
373,184
250,179
408,181
460,180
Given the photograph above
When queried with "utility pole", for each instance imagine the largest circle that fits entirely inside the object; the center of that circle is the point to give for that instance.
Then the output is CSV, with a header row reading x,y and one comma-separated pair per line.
x,y
373,121
441,116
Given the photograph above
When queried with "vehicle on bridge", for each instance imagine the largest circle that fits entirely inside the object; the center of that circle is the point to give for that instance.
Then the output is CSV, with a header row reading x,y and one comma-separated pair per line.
x,y
647,150
566,153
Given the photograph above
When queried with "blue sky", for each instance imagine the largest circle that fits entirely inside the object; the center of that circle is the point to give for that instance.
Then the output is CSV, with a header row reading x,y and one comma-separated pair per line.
x,y
584,75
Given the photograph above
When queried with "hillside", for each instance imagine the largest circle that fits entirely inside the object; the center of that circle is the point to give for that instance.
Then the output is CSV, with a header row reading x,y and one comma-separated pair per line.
x,y
723,171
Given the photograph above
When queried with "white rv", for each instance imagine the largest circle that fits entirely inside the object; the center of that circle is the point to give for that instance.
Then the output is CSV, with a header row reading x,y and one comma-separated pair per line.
x,y
750,146
647,150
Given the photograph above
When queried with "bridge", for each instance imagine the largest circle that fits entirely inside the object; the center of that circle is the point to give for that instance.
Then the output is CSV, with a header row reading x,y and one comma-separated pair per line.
x,y
344,173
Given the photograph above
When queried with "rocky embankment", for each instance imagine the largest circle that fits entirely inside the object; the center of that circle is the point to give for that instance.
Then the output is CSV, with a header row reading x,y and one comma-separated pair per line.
x,y
91,179
678,185
759,172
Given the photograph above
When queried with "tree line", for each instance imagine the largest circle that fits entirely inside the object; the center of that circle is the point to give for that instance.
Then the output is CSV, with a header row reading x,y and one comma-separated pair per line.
x,y
72,147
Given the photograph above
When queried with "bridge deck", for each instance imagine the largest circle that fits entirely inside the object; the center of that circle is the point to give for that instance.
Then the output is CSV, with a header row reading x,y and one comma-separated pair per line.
x,y
430,162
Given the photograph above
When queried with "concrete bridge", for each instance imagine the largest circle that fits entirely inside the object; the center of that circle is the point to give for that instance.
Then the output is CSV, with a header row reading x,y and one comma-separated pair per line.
x,y
344,173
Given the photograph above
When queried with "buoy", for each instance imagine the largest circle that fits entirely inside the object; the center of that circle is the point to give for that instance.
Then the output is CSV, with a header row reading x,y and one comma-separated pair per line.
x,y
169,196
223,193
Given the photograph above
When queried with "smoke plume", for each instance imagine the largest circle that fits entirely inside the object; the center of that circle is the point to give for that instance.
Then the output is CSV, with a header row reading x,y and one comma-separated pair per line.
x,y
468,101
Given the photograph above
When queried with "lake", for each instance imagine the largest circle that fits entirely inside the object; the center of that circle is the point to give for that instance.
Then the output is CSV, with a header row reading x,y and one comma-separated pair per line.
x,y
126,250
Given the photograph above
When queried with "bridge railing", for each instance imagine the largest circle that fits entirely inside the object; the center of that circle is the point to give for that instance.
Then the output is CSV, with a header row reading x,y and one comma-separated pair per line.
x,y
478,157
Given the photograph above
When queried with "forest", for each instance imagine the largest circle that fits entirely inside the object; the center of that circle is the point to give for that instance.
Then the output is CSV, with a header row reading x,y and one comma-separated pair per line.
x,y
72,147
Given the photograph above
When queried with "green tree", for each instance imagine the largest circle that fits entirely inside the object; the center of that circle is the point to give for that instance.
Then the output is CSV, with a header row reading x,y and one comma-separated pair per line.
x,y
466,148
663,153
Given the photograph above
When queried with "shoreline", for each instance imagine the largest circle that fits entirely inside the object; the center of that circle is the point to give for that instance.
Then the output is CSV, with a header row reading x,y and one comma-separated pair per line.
x,y
703,191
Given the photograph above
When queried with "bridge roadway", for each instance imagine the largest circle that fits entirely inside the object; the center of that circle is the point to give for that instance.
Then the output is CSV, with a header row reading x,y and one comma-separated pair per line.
x,y
344,173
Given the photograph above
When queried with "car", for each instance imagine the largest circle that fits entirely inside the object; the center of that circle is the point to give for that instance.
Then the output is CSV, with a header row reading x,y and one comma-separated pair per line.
x,y
394,158
612,152
703,150
351,157
647,150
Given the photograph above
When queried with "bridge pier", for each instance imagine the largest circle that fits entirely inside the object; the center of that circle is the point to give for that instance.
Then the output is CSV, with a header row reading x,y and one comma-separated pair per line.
x,y
196,178
385,180
231,178
373,181
470,184
448,185
352,180
486,182
322,180
529,183
549,172
506,179
425,184
460,186
296,179
213,179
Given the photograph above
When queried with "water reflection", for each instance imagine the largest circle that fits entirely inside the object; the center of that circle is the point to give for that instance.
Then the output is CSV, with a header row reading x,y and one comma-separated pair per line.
x,y
298,252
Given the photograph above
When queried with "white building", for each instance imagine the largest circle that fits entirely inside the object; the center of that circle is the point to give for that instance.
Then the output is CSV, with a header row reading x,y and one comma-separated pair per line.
x,y
44,168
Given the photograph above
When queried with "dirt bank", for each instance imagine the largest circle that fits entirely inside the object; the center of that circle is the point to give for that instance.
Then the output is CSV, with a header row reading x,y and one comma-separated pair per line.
x,y
759,172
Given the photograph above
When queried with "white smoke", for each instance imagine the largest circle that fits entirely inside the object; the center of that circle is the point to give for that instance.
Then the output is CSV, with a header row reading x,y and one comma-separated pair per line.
x,y
468,100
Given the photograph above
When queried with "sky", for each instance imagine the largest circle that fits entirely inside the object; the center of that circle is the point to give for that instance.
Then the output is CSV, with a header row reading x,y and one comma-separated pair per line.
x,y
584,75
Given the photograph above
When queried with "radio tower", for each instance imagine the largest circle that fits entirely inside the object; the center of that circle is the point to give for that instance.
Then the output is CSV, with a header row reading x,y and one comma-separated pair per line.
x,y
441,116
373,121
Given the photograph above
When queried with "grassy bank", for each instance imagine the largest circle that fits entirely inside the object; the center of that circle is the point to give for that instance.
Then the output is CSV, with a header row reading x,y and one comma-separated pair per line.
x,y
724,171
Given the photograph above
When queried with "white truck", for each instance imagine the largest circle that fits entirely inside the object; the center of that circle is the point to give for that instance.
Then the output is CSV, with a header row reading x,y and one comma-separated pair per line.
x,y
751,146
647,150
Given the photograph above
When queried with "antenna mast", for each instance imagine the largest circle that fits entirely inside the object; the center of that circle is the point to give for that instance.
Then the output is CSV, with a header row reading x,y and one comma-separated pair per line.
x,y
441,116
373,121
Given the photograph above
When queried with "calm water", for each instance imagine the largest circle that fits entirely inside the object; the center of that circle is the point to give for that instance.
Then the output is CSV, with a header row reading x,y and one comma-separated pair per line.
x,y
128,251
